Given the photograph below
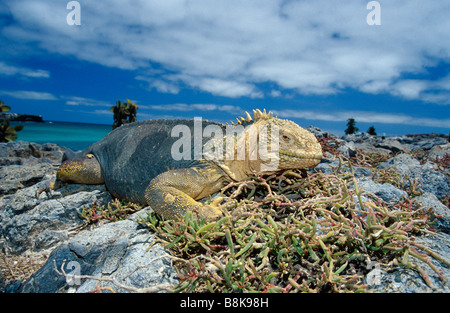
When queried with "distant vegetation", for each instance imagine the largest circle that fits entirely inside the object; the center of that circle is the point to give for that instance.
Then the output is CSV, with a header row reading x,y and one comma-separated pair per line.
x,y
124,113
371,131
7,133
351,129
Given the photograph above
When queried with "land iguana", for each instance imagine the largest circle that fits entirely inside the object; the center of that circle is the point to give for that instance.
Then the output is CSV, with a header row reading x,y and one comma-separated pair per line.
x,y
140,162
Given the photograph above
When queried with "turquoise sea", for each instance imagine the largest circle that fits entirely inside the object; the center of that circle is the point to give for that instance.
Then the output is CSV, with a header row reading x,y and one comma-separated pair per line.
x,y
75,136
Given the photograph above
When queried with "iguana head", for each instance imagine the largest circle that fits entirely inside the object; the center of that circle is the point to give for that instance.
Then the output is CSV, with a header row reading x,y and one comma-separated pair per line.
x,y
292,146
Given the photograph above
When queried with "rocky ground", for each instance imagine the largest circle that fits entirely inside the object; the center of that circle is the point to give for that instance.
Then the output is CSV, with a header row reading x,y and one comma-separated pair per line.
x,y
45,240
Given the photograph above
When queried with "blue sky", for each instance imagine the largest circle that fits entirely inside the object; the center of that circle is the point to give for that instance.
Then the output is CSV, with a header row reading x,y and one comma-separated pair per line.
x,y
315,62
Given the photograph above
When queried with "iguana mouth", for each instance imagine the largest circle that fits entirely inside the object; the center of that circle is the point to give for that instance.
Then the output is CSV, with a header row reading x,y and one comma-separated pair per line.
x,y
317,156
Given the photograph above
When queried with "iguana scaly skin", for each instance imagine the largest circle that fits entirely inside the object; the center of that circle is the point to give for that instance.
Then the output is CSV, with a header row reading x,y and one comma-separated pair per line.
x,y
136,162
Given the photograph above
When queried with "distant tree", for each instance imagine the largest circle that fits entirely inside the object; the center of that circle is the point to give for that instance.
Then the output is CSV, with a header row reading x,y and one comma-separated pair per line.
x,y
351,129
124,113
371,131
7,133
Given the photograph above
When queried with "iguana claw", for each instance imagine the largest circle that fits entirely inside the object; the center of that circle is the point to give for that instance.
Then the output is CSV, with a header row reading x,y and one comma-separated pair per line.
x,y
47,187
211,211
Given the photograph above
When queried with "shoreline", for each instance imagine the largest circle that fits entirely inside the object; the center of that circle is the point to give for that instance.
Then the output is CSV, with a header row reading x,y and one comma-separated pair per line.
x,y
16,117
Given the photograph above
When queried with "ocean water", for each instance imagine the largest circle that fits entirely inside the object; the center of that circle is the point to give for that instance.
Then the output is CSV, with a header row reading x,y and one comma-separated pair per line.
x,y
75,136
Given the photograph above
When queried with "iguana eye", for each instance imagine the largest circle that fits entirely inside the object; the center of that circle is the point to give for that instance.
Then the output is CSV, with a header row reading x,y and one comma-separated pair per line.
x,y
285,137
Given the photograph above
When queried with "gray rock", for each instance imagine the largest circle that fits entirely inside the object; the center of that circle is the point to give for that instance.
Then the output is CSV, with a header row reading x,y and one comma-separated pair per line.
x,y
318,132
118,251
26,151
361,171
350,137
387,192
36,224
31,229
46,279
15,177
406,280
402,163
392,145
439,151
23,200
23,164
429,179
426,142
348,149
404,140
369,148
327,164
432,181
429,200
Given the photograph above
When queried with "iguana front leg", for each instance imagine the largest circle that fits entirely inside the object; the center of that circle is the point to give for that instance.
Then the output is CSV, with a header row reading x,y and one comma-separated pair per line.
x,y
172,193
85,170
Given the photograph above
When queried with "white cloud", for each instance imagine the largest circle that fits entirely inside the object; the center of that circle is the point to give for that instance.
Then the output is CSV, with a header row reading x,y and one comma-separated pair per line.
x,y
409,88
364,117
275,93
228,47
159,84
101,112
29,95
226,88
434,91
440,97
11,70
80,101
183,107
